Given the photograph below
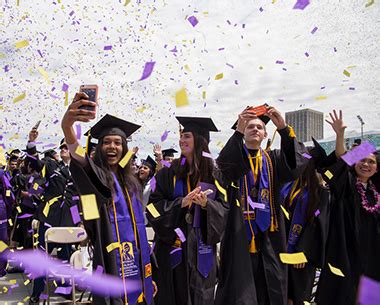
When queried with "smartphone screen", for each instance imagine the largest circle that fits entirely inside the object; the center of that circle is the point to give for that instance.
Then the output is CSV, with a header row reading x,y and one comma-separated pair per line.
x,y
92,93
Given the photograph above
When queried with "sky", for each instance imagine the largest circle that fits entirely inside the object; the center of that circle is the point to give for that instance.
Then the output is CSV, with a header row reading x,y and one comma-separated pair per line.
x,y
241,52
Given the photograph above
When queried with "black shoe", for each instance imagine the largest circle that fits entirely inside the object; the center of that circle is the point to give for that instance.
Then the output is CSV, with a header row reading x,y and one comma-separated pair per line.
x,y
34,300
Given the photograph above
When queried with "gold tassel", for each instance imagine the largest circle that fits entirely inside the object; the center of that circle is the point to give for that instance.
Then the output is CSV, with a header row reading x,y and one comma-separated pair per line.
x,y
292,134
252,245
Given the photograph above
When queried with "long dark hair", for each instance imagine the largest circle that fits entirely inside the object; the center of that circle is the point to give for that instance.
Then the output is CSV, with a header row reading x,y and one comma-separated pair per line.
x,y
124,175
309,180
202,168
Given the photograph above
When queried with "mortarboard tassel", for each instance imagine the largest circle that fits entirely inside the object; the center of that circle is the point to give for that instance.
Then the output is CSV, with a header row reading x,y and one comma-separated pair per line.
x,y
252,245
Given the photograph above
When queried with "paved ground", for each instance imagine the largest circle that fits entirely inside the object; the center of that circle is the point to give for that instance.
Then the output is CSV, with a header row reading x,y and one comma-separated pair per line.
x,y
20,295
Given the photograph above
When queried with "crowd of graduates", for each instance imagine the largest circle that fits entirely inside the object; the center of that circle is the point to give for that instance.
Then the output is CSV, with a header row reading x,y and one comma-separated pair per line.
x,y
254,226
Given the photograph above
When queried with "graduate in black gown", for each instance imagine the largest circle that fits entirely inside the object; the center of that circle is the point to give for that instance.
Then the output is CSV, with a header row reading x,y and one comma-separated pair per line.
x,y
251,271
353,244
187,222
114,221
307,201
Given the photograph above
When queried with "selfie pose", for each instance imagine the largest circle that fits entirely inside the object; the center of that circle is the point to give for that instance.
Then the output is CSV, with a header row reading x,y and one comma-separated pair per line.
x,y
116,202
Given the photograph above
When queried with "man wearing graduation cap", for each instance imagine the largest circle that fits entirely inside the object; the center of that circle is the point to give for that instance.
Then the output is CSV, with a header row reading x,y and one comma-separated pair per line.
x,y
251,271
58,199
114,214
187,222
167,155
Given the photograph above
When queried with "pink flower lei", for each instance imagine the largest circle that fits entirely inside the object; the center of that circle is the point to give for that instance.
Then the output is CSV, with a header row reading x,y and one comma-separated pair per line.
x,y
374,209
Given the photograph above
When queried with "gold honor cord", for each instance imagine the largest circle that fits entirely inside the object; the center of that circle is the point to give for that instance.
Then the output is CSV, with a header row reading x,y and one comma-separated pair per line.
x,y
252,246
294,192
120,252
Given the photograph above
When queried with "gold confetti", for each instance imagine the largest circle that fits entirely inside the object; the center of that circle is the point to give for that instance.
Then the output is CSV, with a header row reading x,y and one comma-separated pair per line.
x,y
19,98
321,97
89,206
124,161
328,174
21,44
152,210
181,98
293,258
219,76
285,212
345,72
112,246
335,270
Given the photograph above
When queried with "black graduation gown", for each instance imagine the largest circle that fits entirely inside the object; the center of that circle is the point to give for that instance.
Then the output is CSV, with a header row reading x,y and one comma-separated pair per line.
x,y
312,243
237,280
183,285
59,184
353,243
92,180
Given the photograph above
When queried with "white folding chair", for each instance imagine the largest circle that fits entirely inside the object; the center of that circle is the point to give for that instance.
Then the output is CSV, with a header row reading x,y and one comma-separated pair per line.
x,y
63,235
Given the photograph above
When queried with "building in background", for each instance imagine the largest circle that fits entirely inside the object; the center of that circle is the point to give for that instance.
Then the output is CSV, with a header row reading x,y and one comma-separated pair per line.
x,y
372,136
307,123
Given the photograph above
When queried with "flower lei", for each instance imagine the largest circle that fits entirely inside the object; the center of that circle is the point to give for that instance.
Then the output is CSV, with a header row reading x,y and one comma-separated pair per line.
x,y
374,209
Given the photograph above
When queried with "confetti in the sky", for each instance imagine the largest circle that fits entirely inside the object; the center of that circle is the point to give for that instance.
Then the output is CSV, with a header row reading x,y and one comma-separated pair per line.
x,y
193,20
301,4
148,69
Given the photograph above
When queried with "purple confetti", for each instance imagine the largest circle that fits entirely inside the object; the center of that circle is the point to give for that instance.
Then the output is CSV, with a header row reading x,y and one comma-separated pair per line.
x,y
317,212
79,131
279,62
335,49
148,69
183,161
81,234
368,291
236,82
99,269
107,48
261,9
65,87
358,153
153,183
71,13
54,96
63,290
207,155
351,88
301,4
231,66
306,155
180,234
165,163
39,52
314,30
75,214
193,20
25,216
6,68
164,136
306,54
100,284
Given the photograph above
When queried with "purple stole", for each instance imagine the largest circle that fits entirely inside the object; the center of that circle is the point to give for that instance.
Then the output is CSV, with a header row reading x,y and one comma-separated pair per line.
x,y
205,253
136,261
262,219
298,217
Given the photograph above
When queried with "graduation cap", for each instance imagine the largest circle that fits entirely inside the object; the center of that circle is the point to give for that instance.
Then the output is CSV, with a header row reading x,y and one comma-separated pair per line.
x,y
14,152
200,126
62,143
150,163
49,153
317,153
168,152
260,110
111,125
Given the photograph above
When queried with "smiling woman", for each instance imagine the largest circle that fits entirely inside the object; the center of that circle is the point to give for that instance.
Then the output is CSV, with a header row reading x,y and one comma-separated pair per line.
x,y
117,232
353,244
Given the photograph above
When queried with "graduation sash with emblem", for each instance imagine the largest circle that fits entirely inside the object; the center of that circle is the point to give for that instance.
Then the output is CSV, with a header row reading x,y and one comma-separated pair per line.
x,y
296,201
205,254
256,190
133,257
